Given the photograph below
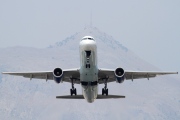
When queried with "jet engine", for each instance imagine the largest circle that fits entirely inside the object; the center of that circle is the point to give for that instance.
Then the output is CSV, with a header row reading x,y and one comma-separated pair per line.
x,y
57,73
119,73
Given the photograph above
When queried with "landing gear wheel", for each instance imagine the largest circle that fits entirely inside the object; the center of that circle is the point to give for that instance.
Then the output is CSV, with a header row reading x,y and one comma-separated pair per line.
x,y
102,91
73,90
75,93
106,92
88,66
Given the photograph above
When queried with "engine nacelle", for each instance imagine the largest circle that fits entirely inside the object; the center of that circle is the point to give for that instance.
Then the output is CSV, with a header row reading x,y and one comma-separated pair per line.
x,y
119,73
57,73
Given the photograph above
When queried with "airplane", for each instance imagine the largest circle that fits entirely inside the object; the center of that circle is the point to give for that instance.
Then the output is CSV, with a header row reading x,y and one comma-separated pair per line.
x,y
89,76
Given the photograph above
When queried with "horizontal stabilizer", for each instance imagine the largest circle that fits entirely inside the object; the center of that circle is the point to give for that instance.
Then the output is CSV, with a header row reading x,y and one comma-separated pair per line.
x,y
110,96
98,97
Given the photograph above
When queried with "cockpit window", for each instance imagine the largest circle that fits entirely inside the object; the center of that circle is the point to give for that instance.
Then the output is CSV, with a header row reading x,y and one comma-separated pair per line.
x,y
84,38
88,38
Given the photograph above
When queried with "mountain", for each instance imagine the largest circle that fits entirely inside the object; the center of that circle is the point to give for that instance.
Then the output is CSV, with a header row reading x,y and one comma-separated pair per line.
x,y
20,98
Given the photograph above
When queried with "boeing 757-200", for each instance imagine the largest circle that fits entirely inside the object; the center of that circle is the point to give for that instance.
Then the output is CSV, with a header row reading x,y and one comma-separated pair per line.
x,y
89,76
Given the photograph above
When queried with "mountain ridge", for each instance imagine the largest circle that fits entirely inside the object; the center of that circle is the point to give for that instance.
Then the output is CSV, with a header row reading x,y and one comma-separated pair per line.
x,y
94,32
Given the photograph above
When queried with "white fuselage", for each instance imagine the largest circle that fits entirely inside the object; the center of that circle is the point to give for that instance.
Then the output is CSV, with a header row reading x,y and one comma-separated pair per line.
x,y
88,69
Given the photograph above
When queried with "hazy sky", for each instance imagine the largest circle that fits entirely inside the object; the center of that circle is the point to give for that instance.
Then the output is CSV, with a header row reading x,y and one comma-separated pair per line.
x,y
150,28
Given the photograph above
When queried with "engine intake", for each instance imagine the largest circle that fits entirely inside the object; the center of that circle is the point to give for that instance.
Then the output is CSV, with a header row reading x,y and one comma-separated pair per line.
x,y
57,73
119,73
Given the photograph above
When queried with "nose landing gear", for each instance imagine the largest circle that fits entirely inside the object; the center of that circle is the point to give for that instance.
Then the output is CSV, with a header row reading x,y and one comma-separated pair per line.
x,y
88,53
88,66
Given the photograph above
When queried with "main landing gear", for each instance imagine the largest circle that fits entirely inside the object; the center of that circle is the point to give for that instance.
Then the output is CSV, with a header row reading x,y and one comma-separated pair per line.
x,y
105,90
73,90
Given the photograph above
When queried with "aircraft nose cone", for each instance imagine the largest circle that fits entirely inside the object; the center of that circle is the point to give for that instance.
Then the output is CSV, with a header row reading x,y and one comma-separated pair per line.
x,y
88,44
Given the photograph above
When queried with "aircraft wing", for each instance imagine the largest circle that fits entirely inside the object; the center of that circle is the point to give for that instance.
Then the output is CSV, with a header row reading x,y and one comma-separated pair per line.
x,y
48,75
129,75
103,74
